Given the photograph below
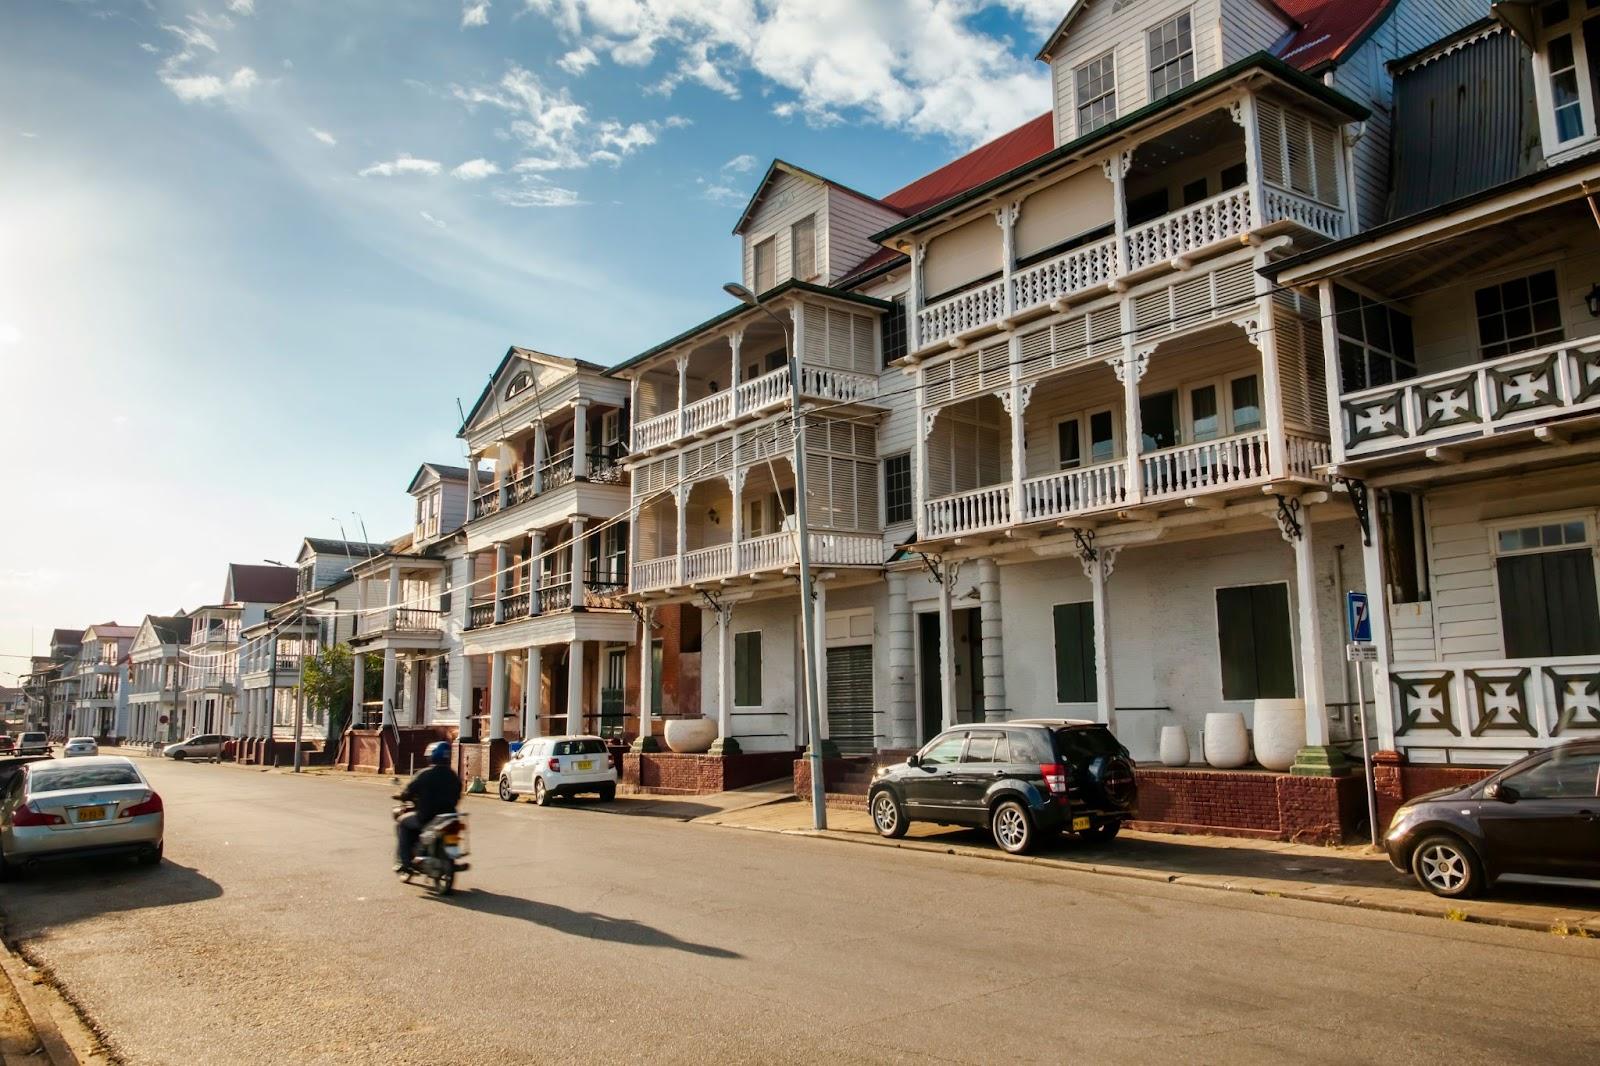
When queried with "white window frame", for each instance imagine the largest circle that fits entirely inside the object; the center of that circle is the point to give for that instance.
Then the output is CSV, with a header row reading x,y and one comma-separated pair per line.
x,y
1526,270
1078,105
883,488
755,260
1533,521
1150,72
1085,443
1261,402
1555,149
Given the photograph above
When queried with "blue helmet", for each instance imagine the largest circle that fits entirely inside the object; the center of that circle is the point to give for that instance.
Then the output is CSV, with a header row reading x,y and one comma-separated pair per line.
x,y
439,752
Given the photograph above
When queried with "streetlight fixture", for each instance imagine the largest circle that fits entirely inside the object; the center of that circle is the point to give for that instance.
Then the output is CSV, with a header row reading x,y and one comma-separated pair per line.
x,y
300,676
819,808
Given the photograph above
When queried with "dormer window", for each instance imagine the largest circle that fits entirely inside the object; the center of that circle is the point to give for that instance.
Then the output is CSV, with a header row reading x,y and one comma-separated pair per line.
x,y
1171,51
1096,85
1566,64
766,264
803,248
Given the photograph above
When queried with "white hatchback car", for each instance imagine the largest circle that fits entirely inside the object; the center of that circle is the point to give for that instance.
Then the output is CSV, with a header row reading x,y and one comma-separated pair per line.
x,y
96,805
79,746
559,766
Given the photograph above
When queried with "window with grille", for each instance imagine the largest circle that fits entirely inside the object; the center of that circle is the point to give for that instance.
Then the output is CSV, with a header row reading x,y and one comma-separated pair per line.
x,y
766,264
1519,314
1096,85
897,489
803,248
893,327
1171,50
1375,342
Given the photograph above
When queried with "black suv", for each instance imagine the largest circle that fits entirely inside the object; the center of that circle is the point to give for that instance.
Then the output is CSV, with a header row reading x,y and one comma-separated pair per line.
x,y
1024,780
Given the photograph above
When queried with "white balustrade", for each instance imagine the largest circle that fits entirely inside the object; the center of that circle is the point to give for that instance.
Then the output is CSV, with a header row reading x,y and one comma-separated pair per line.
x,y
654,432
655,573
841,386
975,307
968,512
1196,226
1502,705
1307,456
768,389
846,549
768,552
1284,206
1070,272
1210,464
709,413
708,564
1477,400
1090,488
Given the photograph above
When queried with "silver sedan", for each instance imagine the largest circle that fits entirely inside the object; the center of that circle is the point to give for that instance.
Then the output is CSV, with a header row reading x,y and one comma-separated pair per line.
x,y
95,805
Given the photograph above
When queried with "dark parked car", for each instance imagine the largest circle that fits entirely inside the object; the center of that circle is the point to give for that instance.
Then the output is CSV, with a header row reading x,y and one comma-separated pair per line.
x,y
1024,780
8,745
1538,816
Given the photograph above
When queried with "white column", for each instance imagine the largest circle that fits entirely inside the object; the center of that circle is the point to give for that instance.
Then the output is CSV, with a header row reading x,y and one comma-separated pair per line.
x,y
820,653
902,731
1266,339
1245,115
535,565
502,559
1132,369
358,687
497,696
1098,570
683,394
541,455
390,672
646,662
914,300
1377,586
724,672
472,483
947,650
394,594
531,696
1006,217
580,441
994,670
681,495
736,519
1332,378
735,341
577,554
461,680
919,497
1305,572
1116,169
575,687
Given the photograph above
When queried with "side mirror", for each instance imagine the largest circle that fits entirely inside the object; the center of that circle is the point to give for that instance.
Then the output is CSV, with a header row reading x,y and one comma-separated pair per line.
x,y
913,759
1502,792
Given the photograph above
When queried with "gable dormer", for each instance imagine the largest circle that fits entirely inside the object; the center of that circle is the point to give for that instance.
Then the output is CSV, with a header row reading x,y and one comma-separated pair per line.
x,y
800,226
1564,36
440,495
1109,58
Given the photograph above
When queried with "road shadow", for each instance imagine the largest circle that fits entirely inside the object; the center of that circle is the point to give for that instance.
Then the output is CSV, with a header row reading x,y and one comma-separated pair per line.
x,y
62,892
580,923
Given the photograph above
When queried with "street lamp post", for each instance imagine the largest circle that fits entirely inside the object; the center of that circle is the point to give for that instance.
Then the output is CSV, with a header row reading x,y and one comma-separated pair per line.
x,y
819,808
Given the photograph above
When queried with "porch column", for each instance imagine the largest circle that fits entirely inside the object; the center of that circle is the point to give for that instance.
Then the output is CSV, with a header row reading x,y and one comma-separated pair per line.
x,y
683,393
725,681
1098,569
1265,337
645,741
994,672
736,519
461,677
947,649
497,696
1005,217
390,672
575,549
1376,582
919,497
472,484
1316,758
735,342
358,687
580,441
819,655
535,568
394,595
914,300
1332,378
1130,370
541,455
575,687
532,697
902,730
681,495
502,558
1015,400
1116,170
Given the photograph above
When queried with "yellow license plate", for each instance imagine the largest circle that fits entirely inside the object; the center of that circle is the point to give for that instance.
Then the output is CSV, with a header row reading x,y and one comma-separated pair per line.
x,y
89,814
1080,824
586,764
452,841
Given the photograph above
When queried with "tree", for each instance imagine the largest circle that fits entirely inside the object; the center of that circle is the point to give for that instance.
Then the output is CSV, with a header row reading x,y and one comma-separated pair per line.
x,y
329,683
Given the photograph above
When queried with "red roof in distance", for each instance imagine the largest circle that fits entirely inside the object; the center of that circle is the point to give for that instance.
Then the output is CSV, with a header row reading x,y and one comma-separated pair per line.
x,y
1328,28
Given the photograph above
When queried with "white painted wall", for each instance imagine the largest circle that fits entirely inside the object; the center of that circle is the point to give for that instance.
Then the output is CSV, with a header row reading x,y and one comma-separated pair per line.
x,y
774,728
788,199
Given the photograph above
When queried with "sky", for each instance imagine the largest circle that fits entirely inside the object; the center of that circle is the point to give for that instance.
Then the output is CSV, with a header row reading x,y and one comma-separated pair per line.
x,y
254,253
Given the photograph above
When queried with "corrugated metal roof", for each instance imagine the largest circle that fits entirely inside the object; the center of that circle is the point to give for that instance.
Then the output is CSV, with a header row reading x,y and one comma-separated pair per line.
x,y
1329,29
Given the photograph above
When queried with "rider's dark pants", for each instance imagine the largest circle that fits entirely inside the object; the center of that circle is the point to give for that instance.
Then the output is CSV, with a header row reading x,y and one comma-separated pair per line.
x,y
406,831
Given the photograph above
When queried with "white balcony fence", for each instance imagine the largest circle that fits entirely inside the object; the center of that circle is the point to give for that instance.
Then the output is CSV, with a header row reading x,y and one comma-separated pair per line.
x,y
968,512
709,413
764,391
1501,704
774,551
708,563
753,397
1200,224
1281,205
655,573
1481,400
975,307
1068,273
1192,468
654,432
765,553
1089,488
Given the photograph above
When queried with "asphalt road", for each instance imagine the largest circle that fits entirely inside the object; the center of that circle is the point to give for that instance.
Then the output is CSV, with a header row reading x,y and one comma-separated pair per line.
x,y
275,932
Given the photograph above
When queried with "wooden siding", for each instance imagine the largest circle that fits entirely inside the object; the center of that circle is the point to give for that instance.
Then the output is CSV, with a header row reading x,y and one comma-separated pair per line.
x,y
897,430
850,221
1248,27
789,199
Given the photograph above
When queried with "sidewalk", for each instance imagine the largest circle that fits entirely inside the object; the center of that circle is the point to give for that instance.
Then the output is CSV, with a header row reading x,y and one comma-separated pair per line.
x,y
37,1028
1347,876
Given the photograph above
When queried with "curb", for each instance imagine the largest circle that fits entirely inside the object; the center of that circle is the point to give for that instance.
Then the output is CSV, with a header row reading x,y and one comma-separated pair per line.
x,y
37,999
1202,881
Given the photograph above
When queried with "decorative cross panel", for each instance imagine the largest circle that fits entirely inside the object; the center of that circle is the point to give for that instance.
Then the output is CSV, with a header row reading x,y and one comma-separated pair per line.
x,y
1449,403
1500,695
1577,702
1424,694
1588,366
1373,419
1525,388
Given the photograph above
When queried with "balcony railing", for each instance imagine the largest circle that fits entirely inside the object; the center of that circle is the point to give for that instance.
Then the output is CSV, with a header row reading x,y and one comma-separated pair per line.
x,y
486,503
773,551
751,398
1193,468
1087,488
1497,704
520,488
1479,401
966,310
967,512
1281,205
1068,273
1209,221
480,615
418,620
557,470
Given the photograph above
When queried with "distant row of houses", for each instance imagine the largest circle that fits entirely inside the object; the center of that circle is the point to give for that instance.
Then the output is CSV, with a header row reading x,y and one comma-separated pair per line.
x,y
1103,419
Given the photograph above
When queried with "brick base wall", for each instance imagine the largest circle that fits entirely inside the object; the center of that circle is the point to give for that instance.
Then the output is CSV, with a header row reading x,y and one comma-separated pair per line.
x,y
669,772
1398,781
375,751
1269,806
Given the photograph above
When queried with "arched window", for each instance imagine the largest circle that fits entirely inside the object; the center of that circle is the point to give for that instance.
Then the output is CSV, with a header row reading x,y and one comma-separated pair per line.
x,y
521,383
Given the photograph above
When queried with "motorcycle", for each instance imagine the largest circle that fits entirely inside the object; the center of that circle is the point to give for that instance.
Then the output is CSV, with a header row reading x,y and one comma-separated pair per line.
x,y
439,851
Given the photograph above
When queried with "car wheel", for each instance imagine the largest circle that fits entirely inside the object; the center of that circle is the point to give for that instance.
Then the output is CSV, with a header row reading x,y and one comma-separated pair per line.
x,y
608,793
1012,827
541,795
1104,833
152,857
888,816
179,756
505,789
1446,866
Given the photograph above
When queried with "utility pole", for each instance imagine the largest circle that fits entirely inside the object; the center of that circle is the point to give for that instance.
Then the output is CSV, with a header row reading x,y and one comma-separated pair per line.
x,y
300,681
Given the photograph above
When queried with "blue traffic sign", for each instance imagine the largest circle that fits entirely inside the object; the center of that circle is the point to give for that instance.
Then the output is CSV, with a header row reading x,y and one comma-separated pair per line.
x,y
1357,618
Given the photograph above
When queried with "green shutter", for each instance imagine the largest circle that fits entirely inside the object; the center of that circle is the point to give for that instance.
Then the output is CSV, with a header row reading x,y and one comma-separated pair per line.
x,y
1236,642
1548,604
747,669
1074,635
1274,642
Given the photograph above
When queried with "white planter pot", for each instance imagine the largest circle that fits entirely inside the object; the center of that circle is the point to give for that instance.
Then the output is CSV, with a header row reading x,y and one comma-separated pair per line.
x,y
1226,743
690,736
1174,746
1280,732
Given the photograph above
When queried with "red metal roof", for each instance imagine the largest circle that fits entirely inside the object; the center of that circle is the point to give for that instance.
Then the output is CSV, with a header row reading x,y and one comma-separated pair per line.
x,y
1328,28
1028,141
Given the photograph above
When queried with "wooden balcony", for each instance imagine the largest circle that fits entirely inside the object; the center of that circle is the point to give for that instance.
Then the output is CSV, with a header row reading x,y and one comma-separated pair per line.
x,y
1515,392
750,399
553,596
752,557
1494,705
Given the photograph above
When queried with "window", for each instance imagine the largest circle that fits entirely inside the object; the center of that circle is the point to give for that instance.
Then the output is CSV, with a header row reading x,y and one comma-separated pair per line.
x,y
944,750
1245,394
1375,343
1171,50
1194,191
1096,84
1564,99
1562,776
803,248
893,328
1546,579
766,264
1205,419
444,674
1254,641
747,669
1092,435
897,505
1158,421
1074,630
981,745
1519,314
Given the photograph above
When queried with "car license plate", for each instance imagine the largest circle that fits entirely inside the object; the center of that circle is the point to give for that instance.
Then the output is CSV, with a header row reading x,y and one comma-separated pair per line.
x,y
1080,823
586,764
88,814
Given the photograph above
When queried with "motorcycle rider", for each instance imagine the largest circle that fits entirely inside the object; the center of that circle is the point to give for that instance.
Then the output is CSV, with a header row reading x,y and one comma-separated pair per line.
x,y
432,792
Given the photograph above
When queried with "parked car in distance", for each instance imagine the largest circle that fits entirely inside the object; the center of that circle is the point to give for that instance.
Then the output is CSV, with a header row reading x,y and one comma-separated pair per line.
x,y
8,744
1539,816
559,766
95,805
200,746
33,744
1023,780
80,746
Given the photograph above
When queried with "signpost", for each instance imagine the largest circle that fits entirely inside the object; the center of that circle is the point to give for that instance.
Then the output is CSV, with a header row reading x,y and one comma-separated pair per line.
x,y
1360,650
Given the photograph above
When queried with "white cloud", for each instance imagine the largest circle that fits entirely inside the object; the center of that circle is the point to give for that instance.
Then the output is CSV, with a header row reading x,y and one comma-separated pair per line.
x,y
475,170
207,87
740,164
242,7
474,13
322,135
578,60
402,164
431,220
536,191
192,38
719,193
148,47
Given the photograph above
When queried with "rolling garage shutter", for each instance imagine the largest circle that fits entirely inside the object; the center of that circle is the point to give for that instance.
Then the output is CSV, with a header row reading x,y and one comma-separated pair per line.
x,y
850,724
